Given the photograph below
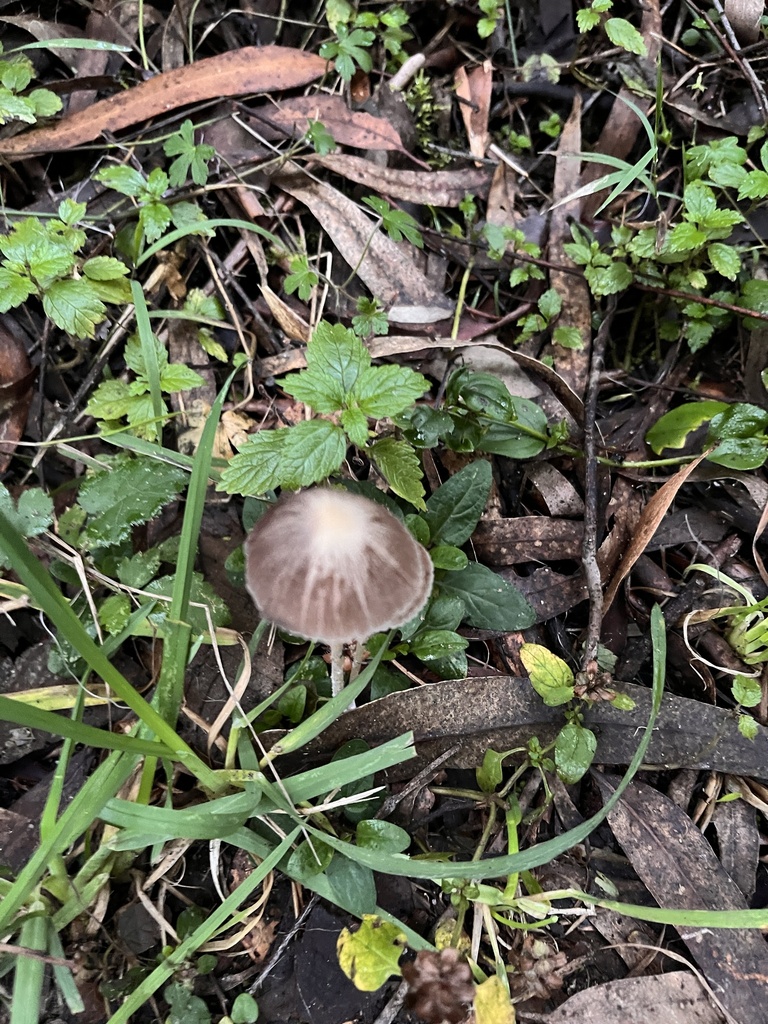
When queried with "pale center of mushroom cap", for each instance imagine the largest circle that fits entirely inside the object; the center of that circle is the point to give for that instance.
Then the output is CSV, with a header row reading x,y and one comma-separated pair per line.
x,y
337,525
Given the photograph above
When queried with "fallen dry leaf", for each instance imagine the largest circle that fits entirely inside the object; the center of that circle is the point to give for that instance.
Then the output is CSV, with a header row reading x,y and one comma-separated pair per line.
x,y
744,17
675,998
16,379
436,188
389,271
651,517
473,90
679,868
348,127
253,69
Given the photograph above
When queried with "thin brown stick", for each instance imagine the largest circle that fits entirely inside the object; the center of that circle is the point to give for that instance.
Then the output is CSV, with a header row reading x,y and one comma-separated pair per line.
x,y
589,545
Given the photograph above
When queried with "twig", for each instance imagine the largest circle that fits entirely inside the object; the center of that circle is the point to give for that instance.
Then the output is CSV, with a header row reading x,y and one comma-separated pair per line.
x,y
589,546
280,951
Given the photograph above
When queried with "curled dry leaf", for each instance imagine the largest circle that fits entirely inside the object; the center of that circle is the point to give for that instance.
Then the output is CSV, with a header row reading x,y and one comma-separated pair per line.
x,y
439,986
16,379
436,188
348,127
253,69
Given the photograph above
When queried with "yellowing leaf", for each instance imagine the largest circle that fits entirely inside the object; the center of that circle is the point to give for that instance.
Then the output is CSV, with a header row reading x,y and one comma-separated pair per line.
x,y
550,676
492,1003
370,955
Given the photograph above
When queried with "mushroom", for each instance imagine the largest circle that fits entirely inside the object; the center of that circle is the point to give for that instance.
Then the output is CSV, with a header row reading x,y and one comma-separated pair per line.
x,y
335,567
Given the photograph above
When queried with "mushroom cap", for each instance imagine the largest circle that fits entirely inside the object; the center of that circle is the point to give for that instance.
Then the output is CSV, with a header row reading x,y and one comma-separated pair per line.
x,y
333,566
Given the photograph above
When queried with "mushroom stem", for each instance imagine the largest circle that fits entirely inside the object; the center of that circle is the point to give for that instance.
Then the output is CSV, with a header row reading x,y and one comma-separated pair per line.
x,y
357,660
337,668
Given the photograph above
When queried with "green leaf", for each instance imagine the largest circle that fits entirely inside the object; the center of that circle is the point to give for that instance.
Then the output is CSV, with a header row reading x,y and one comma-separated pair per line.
x,y
201,593
370,955
110,401
672,429
312,451
73,306
725,260
32,515
245,1009
381,835
355,423
154,218
15,288
622,34
754,185
399,464
454,509
308,860
122,179
748,727
387,390
319,138
568,337
16,72
353,885
16,108
446,556
436,643
177,377
186,1007
587,19
104,268
609,280
45,102
747,691
397,223
301,278
491,772
574,752
550,677
256,467
550,304
132,492
315,388
491,602
338,352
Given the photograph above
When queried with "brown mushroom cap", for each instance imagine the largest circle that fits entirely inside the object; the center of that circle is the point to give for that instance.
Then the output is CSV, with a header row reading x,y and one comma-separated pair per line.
x,y
333,566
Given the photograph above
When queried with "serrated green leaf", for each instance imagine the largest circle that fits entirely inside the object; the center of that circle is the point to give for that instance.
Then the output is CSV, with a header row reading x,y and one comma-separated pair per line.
x,y
110,401
370,955
16,72
154,218
355,423
118,292
114,613
550,304
672,429
725,260
550,677
16,108
45,102
132,492
387,390
574,752
622,34
399,464
490,601
754,185
201,593
73,306
104,268
339,353
747,691
256,467
312,451
177,377
748,727
32,515
15,288
454,509
315,388
123,179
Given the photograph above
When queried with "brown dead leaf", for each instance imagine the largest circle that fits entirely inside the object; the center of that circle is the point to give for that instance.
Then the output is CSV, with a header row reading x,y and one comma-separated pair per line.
x,y
437,188
675,998
287,318
253,69
557,492
527,539
679,868
501,198
473,90
16,379
504,712
651,517
387,269
348,127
